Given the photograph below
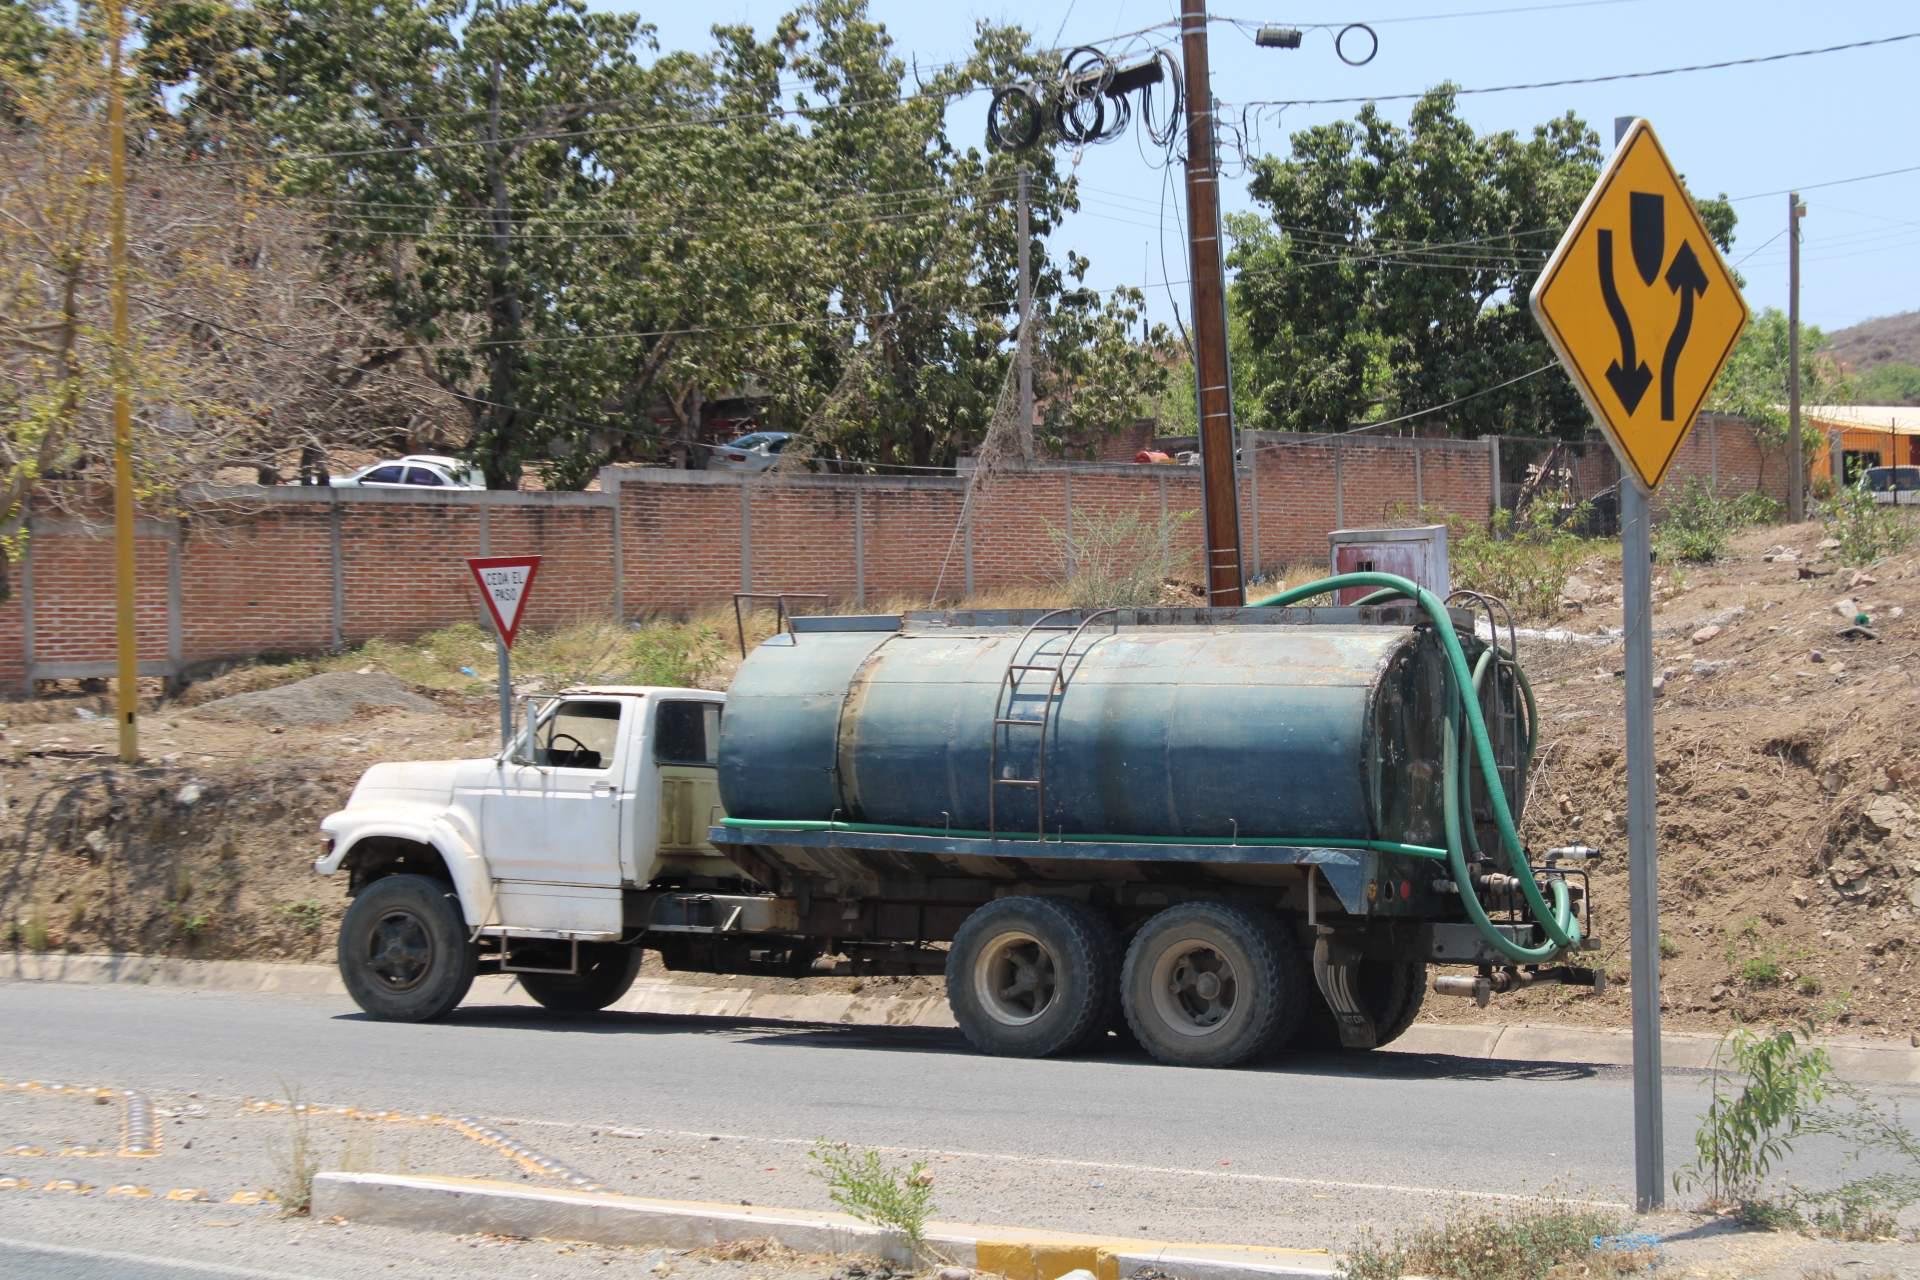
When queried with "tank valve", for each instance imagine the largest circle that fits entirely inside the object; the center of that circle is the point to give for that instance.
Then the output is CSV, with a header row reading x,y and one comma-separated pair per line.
x,y
1477,989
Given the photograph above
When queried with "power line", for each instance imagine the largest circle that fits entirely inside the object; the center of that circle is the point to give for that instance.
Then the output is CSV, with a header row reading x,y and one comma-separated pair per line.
x,y
1421,413
1576,80
1832,182
1431,17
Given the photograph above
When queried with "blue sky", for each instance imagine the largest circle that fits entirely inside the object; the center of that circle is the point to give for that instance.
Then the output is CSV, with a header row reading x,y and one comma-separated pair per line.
x,y
1737,131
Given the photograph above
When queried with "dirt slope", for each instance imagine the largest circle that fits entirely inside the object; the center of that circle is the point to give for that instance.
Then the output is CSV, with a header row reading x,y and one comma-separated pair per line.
x,y
1789,809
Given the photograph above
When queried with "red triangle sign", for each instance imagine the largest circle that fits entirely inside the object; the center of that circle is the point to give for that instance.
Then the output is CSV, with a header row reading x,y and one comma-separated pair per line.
x,y
505,582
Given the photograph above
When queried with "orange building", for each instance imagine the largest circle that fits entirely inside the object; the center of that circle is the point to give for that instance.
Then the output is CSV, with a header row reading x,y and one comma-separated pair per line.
x,y
1858,436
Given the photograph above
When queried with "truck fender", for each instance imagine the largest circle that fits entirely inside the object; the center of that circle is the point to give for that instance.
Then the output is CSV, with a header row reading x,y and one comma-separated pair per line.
x,y
351,833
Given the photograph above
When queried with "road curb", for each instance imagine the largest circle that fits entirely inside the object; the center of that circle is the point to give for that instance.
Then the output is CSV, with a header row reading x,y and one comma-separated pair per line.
x,y
463,1206
1853,1058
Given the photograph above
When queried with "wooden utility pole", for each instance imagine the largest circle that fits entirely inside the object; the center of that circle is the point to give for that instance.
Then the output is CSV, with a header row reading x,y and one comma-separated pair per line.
x,y
1025,433
1219,476
127,684
1797,476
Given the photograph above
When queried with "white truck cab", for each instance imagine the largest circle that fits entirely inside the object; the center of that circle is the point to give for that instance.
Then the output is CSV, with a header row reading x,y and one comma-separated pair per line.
x,y
606,790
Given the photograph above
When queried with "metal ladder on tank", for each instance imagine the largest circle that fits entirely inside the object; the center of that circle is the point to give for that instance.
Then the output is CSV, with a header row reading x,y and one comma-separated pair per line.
x,y
1057,678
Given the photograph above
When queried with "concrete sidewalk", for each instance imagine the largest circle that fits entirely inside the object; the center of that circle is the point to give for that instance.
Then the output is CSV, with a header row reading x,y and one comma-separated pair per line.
x,y
1853,1058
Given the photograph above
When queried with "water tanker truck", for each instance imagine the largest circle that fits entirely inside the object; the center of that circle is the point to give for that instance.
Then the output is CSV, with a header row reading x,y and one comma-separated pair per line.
x,y
1223,832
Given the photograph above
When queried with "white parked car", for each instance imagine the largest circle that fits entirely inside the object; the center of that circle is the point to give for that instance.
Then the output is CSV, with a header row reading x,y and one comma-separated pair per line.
x,y
757,451
415,471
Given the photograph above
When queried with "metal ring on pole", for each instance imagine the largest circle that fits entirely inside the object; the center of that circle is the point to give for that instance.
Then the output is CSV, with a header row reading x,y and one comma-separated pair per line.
x,y
1340,44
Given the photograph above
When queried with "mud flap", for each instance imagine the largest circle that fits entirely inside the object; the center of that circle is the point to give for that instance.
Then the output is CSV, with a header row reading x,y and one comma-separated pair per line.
x,y
1336,968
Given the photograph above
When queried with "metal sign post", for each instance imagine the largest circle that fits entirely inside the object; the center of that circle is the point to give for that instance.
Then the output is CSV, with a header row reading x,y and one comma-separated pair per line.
x,y
1644,314
505,582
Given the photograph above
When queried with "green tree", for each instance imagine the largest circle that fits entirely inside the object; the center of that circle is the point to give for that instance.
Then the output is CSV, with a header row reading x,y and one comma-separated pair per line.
x,y
1754,383
1393,269
1888,384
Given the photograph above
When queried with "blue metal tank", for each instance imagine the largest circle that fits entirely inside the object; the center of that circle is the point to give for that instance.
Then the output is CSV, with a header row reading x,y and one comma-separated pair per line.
x,y
1181,724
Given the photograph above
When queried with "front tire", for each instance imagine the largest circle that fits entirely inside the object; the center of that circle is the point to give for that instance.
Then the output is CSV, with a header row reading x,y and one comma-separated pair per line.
x,y
404,953
607,970
1028,977
1211,984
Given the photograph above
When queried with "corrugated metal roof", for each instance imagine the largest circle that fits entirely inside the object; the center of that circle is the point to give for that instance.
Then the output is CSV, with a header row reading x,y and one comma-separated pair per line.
x,y
1898,419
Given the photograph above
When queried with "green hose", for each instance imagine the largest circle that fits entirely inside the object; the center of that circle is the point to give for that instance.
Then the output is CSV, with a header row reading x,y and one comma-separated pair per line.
x,y
1079,837
1558,921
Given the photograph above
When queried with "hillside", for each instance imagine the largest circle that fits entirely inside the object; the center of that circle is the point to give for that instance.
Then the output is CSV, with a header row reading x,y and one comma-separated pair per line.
x,y
1882,340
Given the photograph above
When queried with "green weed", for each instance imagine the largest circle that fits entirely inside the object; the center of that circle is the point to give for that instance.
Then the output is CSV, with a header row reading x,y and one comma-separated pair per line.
x,y
33,933
309,914
1743,1134
866,1187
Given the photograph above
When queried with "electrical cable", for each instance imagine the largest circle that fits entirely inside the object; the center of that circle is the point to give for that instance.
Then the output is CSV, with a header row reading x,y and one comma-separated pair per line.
x,y
1602,79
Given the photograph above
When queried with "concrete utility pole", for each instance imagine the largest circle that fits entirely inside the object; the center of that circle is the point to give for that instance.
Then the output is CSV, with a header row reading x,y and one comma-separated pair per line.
x,y
1219,485
127,684
1796,488
1025,355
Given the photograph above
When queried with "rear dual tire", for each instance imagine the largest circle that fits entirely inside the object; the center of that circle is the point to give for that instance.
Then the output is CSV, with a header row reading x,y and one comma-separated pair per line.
x,y
1212,984
1029,977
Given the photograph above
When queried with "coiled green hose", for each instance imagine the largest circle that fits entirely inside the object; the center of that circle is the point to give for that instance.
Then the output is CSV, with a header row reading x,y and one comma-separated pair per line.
x,y
1559,922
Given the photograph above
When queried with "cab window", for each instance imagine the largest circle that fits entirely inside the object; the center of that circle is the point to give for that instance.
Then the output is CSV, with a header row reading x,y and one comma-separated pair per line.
x,y
580,734
687,733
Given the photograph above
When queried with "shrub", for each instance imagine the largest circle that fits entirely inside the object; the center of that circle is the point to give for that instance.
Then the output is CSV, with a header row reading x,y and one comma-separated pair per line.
x,y
1527,1245
1123,559
1524,560
1743,1134
1867,530
1696,523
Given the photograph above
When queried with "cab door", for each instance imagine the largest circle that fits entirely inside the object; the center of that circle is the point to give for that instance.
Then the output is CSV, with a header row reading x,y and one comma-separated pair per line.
x,y
551,830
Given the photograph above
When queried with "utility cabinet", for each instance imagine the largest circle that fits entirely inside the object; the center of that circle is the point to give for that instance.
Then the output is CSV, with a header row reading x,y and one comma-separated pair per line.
x,y
1419,553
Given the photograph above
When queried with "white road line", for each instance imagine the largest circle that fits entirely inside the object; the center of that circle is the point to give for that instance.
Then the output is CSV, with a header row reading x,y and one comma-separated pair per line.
x,y
1223,1175
152,1260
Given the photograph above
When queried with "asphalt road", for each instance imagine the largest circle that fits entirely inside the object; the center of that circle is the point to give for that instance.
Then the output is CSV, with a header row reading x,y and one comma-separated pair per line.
x,y
1299,1153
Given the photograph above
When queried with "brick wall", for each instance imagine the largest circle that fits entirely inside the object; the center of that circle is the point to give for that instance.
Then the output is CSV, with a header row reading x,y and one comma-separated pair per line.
x,y
298,570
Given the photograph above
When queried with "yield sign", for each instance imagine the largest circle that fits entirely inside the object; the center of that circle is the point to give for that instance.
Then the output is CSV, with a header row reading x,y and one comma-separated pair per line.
x,y
505,582
1639,306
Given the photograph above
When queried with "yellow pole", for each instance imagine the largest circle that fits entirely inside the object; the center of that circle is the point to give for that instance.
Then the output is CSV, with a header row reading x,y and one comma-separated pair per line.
x,y
127,686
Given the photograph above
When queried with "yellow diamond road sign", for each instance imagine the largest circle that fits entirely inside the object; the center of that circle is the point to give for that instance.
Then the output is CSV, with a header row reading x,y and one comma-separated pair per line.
x,y
1639,305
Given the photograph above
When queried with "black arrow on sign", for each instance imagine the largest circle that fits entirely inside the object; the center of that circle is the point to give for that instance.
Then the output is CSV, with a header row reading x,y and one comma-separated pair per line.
x,y
1628,375
1685,278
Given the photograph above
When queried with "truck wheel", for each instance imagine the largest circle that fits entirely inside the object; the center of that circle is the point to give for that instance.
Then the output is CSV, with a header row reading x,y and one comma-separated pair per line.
x,y
1028,977
1394,991
607,969
404,953
1210,984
